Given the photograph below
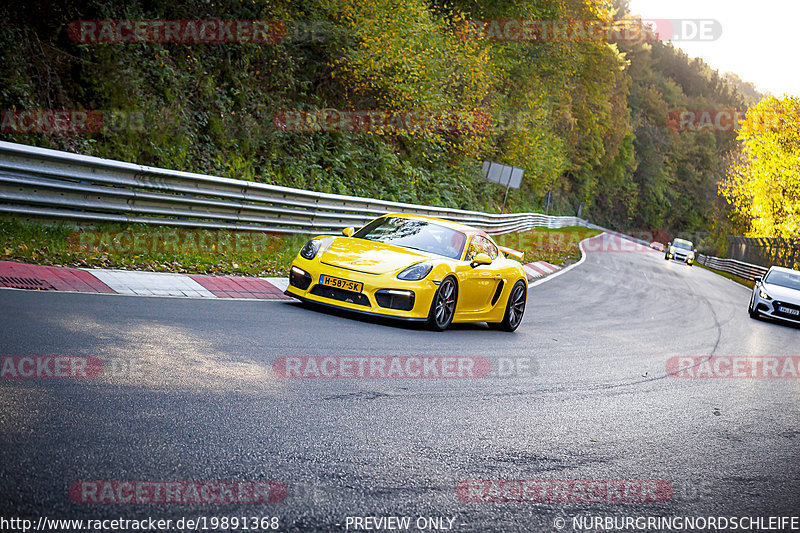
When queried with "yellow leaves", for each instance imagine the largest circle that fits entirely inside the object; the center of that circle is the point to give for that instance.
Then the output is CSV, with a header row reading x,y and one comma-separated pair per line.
x,y
763,183
406,57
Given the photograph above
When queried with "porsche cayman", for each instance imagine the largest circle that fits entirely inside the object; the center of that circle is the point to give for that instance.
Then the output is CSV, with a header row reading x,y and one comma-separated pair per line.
x,y
413,268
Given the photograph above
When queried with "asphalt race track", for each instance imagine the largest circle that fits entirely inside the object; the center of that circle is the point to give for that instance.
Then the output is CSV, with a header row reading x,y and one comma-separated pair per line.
x,y
189,394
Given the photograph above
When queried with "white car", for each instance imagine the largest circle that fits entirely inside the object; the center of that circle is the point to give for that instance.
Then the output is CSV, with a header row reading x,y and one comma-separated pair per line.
x,y
777,295
680,250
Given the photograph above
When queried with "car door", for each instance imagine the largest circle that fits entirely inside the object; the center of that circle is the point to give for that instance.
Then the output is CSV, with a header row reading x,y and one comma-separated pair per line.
x,y
478,284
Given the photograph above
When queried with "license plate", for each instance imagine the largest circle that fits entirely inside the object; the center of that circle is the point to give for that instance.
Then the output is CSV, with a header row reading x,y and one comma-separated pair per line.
x,y
788,311
346,284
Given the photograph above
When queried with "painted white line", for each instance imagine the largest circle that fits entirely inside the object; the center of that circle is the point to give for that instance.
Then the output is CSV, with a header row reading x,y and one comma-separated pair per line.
x,y
534,273
565,269
547,267
280,283
150,283
131,294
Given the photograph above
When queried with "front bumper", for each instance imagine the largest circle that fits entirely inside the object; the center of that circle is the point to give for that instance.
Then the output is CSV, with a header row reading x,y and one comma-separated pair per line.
x,y
771,308
367,301
357,311
680,257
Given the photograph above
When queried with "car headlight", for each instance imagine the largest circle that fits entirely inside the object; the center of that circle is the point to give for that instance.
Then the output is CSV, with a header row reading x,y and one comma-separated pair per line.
x,y
763,295
671,250
310,249
416,272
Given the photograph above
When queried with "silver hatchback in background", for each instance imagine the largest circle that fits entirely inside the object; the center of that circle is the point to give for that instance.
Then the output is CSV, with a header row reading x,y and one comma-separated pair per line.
x,y
777,295
680,250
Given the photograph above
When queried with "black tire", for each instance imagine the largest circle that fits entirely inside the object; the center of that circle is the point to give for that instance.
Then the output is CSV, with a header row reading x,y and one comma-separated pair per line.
x,y
753,314
515,307
666,258
443,306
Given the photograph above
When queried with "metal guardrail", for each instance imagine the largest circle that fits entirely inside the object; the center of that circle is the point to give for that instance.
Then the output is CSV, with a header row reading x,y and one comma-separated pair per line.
x,y
38,182
765,251
732,266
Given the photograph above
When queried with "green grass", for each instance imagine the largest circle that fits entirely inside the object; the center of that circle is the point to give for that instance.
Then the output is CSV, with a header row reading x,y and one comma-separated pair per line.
x,y
164,249
556,246
738,279
152,248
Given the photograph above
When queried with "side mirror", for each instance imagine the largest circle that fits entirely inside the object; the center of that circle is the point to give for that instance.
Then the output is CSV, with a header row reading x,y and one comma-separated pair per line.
x,y
757,279
669,243
348,232
481,259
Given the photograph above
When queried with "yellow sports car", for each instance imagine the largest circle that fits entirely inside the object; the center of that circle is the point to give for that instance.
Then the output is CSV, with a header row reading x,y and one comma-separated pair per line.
x,y
413,268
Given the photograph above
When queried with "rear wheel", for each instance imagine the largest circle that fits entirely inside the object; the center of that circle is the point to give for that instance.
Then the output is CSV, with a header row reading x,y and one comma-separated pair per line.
x,y
443,307
515,307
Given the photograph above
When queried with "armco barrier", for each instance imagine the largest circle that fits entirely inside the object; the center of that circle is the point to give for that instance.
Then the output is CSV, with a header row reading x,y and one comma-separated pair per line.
x,y
765,251
732,266
37,182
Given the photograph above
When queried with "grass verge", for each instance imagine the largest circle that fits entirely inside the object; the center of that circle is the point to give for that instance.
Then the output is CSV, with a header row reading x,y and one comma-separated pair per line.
x,y
219,252
152,248
738,279
556,246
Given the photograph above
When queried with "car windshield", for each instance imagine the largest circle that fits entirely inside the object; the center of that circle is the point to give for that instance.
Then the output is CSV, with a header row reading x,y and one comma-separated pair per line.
x,y
415,234
784,279
683,245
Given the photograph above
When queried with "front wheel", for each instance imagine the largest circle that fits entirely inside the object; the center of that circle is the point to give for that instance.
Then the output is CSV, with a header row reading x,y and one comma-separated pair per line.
x,y
515,307
443,307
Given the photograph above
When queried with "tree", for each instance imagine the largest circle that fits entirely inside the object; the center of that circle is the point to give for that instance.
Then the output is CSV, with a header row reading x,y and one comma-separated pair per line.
x,y
763,186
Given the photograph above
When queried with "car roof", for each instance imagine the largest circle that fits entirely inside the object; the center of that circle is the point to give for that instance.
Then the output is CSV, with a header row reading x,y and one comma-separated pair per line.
x,y
681,240
447,223
784,269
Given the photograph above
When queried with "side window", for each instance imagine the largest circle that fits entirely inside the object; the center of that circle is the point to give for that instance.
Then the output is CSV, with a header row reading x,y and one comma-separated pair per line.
x,y
479,244
492,249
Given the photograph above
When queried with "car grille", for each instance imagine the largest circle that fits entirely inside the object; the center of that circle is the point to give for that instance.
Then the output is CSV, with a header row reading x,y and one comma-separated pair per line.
x,y
776,305
342,295
498,292
391,299
301,281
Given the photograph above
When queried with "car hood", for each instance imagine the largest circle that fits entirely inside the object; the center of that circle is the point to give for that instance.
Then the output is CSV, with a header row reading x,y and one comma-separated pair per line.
x,y
368,256
784,294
